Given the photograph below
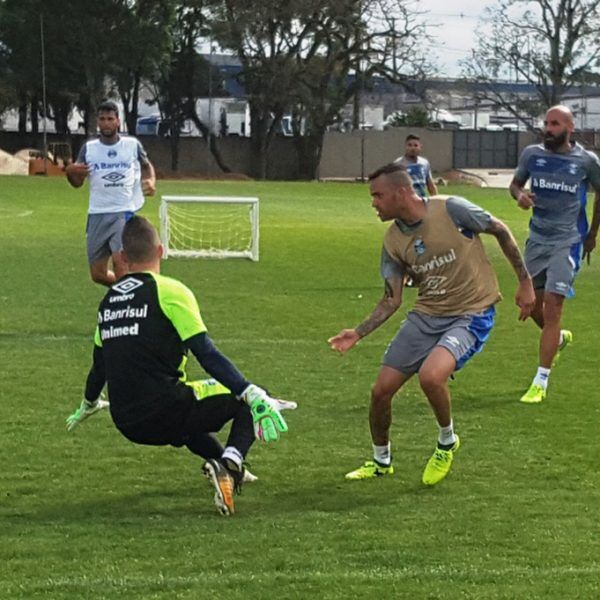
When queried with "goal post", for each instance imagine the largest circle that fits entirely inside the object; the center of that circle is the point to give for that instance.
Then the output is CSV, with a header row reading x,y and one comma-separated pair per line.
x,y
209,226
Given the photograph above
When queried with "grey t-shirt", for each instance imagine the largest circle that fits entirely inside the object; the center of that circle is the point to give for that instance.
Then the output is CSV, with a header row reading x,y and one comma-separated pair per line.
x,y
468,217
559,182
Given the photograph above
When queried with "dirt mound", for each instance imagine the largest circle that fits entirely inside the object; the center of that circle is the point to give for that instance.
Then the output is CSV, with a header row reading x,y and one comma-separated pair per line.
x,y
11,165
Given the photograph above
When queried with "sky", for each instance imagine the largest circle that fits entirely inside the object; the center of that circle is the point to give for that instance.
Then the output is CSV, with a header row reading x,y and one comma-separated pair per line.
x,y
455,36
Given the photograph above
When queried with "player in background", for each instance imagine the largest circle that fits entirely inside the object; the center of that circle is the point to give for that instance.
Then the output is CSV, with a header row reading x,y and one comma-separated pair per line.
x,y
120,174
417,167
560,172
436,242
146,325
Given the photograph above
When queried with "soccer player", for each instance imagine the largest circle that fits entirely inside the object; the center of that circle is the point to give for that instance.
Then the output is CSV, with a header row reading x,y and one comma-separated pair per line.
x,y
417,166
435,241
120,174
146,325
560,172
206,445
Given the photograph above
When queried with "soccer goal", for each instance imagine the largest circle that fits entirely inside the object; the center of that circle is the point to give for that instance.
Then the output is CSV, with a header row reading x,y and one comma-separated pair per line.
x,y
209,226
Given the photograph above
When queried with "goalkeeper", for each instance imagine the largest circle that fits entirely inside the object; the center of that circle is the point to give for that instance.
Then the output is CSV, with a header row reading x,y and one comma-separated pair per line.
x,y
146,325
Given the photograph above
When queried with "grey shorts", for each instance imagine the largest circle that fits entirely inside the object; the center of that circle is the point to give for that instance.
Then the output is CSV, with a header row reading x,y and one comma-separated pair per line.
x,y
104,233
463,336
552,267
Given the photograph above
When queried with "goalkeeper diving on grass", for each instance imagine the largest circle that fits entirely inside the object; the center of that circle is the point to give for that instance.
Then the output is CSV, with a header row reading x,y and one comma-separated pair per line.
x,y
146,325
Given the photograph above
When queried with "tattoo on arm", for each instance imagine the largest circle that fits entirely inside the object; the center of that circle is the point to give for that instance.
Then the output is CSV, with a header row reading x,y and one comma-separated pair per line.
x,y
507,243
386,307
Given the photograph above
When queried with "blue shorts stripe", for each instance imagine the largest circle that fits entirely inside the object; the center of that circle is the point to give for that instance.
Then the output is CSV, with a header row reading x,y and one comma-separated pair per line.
x,y
481,327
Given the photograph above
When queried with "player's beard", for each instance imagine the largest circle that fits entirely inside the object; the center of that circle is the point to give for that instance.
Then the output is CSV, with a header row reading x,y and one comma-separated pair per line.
x,y
554,142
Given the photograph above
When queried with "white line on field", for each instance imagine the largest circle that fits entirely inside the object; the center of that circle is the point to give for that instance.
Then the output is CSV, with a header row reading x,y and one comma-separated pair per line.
x,y
439,571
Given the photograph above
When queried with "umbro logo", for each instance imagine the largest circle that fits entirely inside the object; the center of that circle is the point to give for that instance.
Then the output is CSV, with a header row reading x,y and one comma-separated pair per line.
x,y
540,162
127,285
113,177
453,340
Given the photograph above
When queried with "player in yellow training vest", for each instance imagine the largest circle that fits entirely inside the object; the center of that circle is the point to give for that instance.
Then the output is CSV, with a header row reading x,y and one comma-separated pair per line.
x,y
436,243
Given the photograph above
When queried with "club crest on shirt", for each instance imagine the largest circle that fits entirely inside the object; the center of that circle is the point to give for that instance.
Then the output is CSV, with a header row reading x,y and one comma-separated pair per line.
x,y
419,246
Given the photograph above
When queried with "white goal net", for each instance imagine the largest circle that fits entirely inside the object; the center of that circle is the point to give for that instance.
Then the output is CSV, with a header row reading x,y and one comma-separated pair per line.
x,y
209,226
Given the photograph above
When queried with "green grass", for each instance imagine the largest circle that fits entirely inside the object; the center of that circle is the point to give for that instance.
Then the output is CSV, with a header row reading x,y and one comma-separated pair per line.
x,y
89,515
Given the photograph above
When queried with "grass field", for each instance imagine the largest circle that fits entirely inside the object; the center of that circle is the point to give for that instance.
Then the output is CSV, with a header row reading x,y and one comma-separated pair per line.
x,y
89,515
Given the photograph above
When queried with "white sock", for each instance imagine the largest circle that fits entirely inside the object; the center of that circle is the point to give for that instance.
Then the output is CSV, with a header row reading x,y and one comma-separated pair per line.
x,y
234,455
541,377
447,437
383,454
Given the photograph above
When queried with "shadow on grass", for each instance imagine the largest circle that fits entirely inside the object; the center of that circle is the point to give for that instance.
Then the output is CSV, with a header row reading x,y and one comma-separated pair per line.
x,y
259,500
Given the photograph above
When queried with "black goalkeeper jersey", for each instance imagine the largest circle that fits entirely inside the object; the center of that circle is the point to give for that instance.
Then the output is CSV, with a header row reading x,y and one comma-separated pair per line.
x,y
143,322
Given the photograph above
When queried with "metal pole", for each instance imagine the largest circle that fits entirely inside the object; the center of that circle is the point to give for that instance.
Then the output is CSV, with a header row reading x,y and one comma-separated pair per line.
x,y
45,137
210,94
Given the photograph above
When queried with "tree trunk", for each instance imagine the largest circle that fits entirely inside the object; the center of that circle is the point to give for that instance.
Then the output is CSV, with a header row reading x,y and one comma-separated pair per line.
x,y
259,143
309,149
174,139
130,104
22,114
212,141
35,124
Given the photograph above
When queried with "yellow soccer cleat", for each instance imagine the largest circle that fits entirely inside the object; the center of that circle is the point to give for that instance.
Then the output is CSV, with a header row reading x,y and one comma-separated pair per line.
x,y
370,469
534,395
438,466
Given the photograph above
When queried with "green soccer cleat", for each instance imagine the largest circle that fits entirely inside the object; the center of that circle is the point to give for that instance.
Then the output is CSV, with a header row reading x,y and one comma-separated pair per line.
x,y
370,469
566,339
438,466
534,395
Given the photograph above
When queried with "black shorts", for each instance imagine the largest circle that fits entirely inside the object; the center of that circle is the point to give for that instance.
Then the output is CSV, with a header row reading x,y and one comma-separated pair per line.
x,y
185,418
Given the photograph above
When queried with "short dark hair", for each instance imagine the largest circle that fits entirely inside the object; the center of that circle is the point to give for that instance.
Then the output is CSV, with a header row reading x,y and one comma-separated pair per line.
x,y
108,106
412,136
140,240
389,169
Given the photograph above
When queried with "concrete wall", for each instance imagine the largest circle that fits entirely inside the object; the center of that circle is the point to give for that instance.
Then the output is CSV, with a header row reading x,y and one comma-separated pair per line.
x,y
194,156
343,153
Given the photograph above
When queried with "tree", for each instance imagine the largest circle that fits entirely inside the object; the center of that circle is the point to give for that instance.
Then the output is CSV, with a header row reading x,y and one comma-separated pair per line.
x,y
266,37
416,116
353,42
141,46
20,47
297,56
185,78
550,44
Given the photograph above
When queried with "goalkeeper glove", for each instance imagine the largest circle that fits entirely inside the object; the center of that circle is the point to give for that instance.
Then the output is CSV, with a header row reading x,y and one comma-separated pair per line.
x,y
266,415
85,410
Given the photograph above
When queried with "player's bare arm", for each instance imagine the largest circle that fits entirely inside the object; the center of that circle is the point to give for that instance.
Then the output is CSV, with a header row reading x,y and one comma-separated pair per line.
x,y
148,179
431,187
525,199
386,307
76,173
525,298
590,241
